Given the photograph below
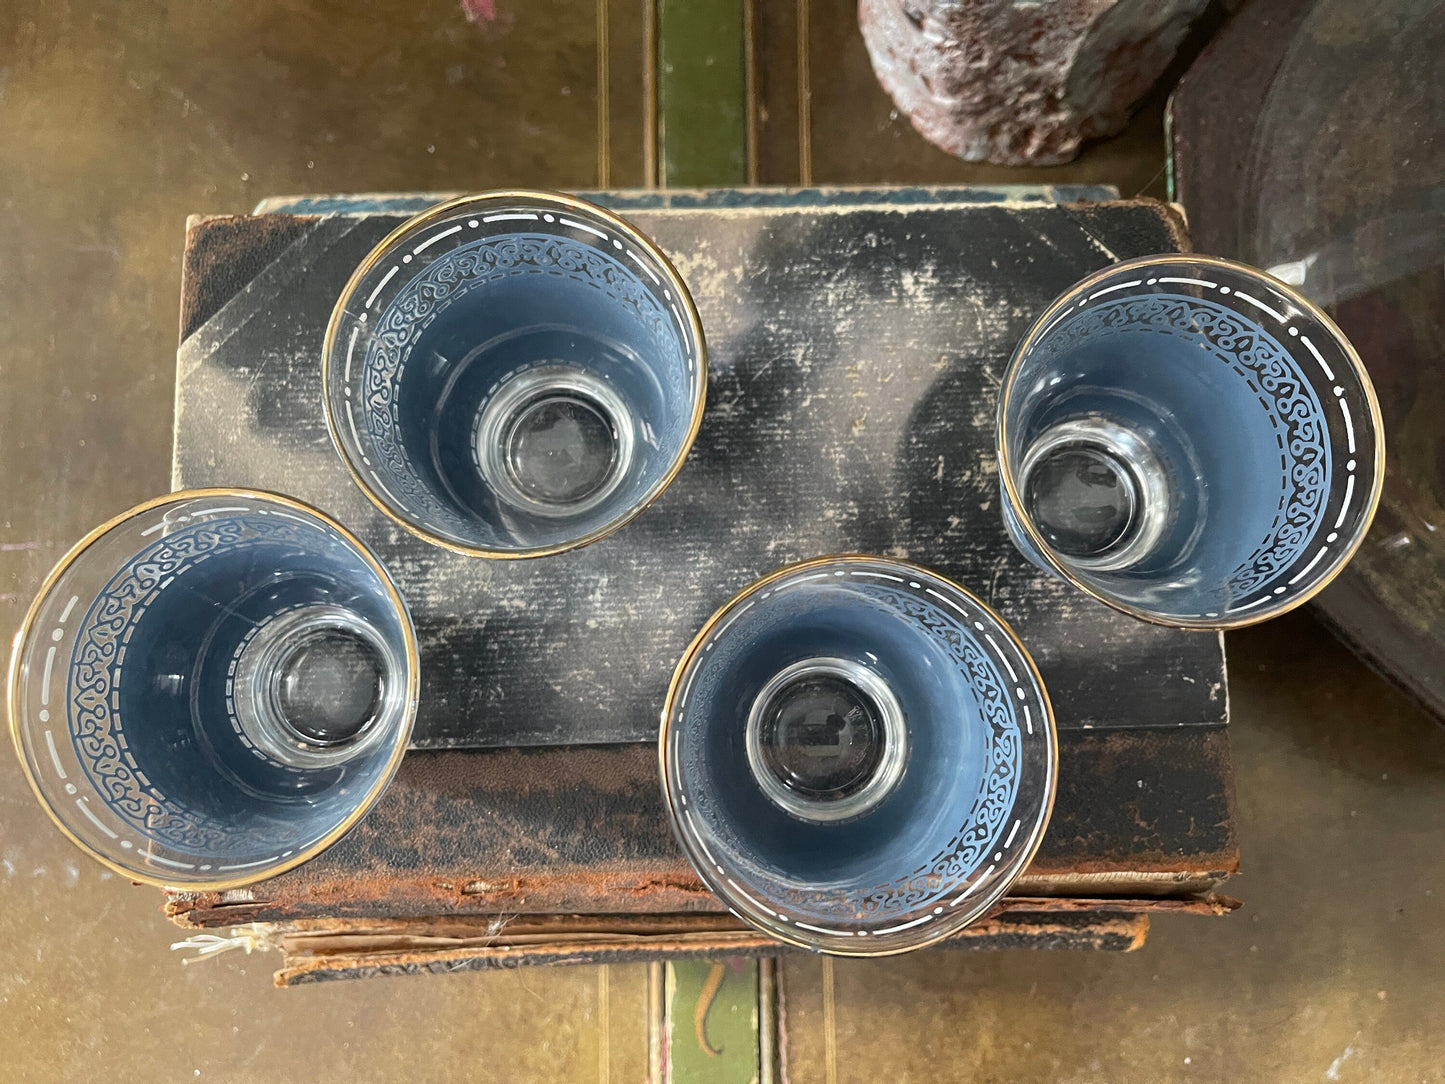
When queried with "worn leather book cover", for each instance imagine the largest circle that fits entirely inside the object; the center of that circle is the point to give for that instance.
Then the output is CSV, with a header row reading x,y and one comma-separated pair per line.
x,y
855,345
856,341
320,950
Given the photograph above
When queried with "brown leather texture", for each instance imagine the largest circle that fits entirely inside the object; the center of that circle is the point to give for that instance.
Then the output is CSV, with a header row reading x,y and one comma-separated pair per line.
x,y
320,950
582,830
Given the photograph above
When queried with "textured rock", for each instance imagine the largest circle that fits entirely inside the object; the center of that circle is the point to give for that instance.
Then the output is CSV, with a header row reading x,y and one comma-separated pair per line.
x,y
1021,82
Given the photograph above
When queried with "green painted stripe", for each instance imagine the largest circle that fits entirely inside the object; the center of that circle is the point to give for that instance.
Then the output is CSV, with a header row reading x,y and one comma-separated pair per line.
x,y
720,999
701,93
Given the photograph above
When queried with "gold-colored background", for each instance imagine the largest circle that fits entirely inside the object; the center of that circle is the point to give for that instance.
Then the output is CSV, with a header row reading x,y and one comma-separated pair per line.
x,y
119,117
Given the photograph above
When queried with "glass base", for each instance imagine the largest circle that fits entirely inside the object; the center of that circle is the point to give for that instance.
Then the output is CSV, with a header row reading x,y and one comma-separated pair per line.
x,y
826,739
310,686
553,441
1096,492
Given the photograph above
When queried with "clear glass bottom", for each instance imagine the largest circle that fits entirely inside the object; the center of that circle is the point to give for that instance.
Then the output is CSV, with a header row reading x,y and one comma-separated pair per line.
x,y
1096,492
554,441
310,686
826,739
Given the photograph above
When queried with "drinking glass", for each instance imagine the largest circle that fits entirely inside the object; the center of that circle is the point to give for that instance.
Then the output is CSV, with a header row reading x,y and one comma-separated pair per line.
x,y
213,687
1190,441
858,756
514,374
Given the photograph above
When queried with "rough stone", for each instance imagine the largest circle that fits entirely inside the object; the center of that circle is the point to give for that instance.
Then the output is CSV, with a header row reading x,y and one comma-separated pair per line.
x,y
1021,82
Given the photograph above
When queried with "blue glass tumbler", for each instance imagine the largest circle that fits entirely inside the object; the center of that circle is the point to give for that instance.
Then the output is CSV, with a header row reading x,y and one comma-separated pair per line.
x,y
213,687
1190,441
514,374
858,756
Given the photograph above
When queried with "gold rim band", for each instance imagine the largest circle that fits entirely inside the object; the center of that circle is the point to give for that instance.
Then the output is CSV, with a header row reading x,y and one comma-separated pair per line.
x,y
1357,367
413,684
1026,855
561,201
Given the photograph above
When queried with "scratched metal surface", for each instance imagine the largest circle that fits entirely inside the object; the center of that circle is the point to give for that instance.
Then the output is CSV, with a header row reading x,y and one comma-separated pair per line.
x,y
855,355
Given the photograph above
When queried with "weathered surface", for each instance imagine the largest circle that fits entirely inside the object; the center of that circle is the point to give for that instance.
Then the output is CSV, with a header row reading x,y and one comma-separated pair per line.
x,y
324,950
1019,82
583,831
856,343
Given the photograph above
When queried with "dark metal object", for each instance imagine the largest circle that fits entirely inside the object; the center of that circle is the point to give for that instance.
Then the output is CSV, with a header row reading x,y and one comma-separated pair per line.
x,y
855,360
1329,172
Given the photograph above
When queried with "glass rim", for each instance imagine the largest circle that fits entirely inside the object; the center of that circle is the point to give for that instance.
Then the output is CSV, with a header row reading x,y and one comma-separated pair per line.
x,y
562,201
1357,369
26,631
981,904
